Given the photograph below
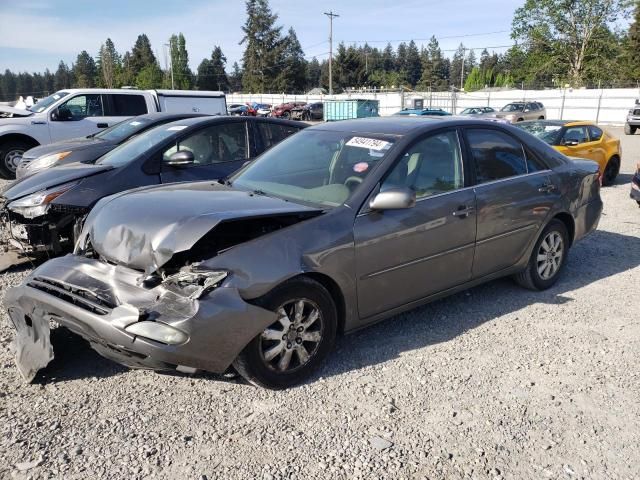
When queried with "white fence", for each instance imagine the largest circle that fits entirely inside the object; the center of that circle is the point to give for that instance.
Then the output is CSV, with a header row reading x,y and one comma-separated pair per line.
x,y
600,105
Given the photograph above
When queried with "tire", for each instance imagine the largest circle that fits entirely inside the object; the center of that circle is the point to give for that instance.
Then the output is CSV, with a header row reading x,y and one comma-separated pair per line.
x,y
531,277
541,117
611,171
254,363
286,115
10,154
629,130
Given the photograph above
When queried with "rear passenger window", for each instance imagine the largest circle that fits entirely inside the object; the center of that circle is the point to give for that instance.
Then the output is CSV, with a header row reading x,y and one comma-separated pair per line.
x,y
128,105
595,133
272,133
534,164
496,155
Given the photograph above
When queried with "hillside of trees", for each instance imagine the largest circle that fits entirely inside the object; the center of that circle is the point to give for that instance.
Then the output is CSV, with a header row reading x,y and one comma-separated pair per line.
x,y
555,43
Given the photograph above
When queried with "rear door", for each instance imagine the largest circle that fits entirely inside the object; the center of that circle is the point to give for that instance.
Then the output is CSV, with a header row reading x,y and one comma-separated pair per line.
x,y
514,193
406,255
219,150
120,106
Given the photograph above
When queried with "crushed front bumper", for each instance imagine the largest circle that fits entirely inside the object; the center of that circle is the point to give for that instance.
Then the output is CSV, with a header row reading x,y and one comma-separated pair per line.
x,y
98,301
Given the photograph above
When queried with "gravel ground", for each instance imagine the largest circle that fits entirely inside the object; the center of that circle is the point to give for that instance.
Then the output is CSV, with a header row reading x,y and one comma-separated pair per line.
x,y
496,382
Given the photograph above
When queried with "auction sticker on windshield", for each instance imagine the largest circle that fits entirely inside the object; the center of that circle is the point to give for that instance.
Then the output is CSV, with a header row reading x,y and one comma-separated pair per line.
x,y
369,143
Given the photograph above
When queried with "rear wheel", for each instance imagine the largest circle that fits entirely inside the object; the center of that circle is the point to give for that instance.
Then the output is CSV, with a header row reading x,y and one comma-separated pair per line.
x,y
10,155
286,115
611,171
629,130
547,259
291,348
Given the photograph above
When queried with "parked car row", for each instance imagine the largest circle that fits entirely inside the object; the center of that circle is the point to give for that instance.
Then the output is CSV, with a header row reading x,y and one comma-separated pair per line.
x,y
290,110
76,113
189,255
511,113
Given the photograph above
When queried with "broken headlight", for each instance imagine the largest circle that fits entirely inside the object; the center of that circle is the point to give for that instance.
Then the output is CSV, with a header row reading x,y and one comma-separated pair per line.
x,y
36,204
194,283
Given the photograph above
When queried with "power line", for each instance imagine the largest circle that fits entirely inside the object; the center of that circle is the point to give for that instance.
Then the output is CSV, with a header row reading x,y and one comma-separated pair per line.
x,y
426,39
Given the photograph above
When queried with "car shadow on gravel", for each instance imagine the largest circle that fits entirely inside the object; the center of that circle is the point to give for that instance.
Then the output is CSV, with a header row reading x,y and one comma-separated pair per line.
x,y
74,359
623,179
596,258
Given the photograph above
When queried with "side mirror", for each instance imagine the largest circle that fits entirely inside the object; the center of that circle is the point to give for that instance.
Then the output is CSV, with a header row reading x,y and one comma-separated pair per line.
x,y
393,199
526,110
182,158
570,143
61,114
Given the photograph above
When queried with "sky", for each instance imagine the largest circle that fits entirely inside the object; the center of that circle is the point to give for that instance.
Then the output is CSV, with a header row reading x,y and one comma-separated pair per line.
x,y
37,34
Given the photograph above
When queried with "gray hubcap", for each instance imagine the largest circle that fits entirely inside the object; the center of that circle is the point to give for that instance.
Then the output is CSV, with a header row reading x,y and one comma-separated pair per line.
x,y
12,158
294,338
550,255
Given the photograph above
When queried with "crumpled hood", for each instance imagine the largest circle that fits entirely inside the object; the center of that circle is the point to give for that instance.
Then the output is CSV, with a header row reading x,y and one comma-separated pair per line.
x,y
73,145
16,112
144,228
50,178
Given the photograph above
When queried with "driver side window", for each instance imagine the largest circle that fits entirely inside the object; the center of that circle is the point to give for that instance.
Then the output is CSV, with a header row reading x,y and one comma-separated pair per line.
x,y
82,106
430,167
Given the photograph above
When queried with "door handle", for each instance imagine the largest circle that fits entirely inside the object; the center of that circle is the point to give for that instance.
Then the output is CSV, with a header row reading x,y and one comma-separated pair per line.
x,y
546,188
102,125
463,211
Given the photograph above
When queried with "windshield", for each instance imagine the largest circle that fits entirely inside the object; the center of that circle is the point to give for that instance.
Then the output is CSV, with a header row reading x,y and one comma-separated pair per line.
x,y
130,150
545,132
471,111
43,104
317,167
513,107
123,130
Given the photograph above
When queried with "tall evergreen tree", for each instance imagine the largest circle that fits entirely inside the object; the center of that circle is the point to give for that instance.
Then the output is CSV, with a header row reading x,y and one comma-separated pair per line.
x,y
84,71
108,64
218,63
235,79
413,65
292,71
141,55
313,74
632,47
263,47
182,74
63,78
456,75
388,59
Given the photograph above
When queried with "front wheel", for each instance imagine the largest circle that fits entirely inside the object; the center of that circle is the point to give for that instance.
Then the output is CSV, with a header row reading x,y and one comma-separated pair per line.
x,y
629,130
10,155
547,259
291,348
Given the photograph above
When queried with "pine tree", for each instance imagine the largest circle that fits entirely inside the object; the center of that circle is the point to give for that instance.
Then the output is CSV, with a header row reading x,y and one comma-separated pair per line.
x,y
127,77
235,79
292,72
63,78
218,63
456,68
412,64
49,82
263,47
84,71
632,46
435,68
108,64
141,55
314,71
182,74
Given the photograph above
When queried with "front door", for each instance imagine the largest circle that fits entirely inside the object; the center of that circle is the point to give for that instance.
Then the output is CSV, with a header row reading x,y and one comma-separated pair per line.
x,y
79,116
406,255
218,150
514,195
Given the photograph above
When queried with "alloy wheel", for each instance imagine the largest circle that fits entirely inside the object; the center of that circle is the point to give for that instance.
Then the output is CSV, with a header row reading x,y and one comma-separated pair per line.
x,y
550,255
291,342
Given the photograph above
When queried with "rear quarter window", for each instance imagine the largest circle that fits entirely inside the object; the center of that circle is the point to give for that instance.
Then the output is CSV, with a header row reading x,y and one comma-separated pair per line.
x,y
123,105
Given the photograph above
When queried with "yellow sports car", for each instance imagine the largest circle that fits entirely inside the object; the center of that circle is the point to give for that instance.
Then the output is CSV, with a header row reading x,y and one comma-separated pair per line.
x,y
582,140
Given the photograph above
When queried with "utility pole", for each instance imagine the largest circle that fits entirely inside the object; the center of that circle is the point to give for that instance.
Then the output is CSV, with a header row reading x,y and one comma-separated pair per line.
x,y
331,16
462,69
170,61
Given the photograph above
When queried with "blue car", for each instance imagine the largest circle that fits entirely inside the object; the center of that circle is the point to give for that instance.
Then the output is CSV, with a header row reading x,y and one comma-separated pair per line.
x,y
437,112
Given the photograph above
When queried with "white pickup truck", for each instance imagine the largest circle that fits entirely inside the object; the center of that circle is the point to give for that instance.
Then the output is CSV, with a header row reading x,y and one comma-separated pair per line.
x,y
80,112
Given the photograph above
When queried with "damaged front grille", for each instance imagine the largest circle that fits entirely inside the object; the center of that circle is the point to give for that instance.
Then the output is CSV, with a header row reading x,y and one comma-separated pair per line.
x,y
79,297
54,207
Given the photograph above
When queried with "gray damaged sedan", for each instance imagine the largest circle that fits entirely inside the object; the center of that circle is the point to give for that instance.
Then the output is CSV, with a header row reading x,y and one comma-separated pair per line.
x,y
337,227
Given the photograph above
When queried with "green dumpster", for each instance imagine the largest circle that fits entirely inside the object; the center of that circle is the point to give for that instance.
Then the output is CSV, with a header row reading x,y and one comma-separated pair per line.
x,y
348,109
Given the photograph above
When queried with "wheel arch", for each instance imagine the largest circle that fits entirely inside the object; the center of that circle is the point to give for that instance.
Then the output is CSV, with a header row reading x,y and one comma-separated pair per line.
x,y
334,290
569,222
22,137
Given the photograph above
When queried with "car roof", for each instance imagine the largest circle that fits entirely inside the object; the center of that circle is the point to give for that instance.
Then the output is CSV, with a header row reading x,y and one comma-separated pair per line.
x,y
397,125
195,121
559,123
162,116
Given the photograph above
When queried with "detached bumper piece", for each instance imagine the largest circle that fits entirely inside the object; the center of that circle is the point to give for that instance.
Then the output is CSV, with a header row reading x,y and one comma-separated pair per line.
x,y
136,326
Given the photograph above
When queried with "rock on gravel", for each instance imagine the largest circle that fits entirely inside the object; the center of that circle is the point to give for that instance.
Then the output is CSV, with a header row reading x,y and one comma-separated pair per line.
x,y
498,382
